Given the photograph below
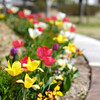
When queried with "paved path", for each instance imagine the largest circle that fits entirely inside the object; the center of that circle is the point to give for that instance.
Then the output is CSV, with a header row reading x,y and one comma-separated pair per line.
x,y
91,50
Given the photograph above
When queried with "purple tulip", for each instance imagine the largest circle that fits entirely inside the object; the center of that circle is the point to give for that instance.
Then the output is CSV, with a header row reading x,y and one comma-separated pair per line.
x,y
13,51
55,46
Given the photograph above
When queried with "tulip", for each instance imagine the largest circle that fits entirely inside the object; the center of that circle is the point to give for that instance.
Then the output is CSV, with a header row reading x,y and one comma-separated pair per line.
x,y
21,14
34,33
39,15
35,21
48,60
1,6
17,43
27,12
61,16
43,51
10,11
14,9
15,69
31,16
2,16
47,19
67,25
73,28
13,51
60,38
31,64
55,47
66,19
40,29
41,24
53,18
24,61
28,82
71,47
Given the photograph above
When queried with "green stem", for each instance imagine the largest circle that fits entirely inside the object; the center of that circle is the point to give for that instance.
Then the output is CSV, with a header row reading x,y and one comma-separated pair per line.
x,y
12,88
24,97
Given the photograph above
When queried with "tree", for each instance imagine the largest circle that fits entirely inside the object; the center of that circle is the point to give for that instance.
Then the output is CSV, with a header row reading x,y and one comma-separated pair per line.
x,y
80,10
4,9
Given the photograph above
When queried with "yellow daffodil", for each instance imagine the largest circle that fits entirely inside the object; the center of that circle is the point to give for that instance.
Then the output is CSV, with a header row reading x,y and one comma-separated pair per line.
x,y
2,16
60,38
54,81
71,47
41,83
32,65
28,82
15,69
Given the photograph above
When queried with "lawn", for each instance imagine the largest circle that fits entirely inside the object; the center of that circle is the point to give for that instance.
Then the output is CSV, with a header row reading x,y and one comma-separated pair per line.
x,y
90,28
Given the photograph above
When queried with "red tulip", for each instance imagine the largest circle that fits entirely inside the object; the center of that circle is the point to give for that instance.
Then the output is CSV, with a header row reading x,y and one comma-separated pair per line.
x,y
21,14
35,21
39,15
66,19
10,11
40,29
17,43
48,60
43,51
54,18
24,61
31,16
73,28
47,19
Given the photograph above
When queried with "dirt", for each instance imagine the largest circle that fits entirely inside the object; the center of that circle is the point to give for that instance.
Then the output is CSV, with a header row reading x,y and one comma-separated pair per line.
x,y
6,38
80,86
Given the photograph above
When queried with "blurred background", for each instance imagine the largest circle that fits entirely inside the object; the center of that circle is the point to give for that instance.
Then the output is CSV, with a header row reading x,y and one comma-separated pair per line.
x,y
84,13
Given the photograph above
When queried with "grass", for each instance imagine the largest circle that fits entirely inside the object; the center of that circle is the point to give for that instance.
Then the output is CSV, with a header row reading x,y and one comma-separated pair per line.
x,y
90,28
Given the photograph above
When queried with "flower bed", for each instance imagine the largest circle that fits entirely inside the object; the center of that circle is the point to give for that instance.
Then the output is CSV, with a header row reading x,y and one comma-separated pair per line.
x,y
46,69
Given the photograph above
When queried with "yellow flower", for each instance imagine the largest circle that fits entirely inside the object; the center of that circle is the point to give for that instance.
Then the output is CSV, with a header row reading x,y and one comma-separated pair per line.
x,y
57,88
60,38
51,22
31,20
32,65
40,95
59,23
15,69
59,93
41,83
54,81
28,82
2,16
71,47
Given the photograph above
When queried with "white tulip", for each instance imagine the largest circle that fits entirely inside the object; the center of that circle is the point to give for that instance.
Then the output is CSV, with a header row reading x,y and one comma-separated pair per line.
x,y
67,25
1,6
61,16
27,12
34,33
14,9
41,24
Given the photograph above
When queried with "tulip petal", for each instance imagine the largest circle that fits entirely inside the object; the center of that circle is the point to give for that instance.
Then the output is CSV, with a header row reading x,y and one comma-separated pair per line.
x,y
33,65
9,66
36,86
19,81
41,69
10,71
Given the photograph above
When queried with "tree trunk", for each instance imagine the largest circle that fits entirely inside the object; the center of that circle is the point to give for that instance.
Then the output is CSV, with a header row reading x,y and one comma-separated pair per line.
x,y
80,10
87,12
